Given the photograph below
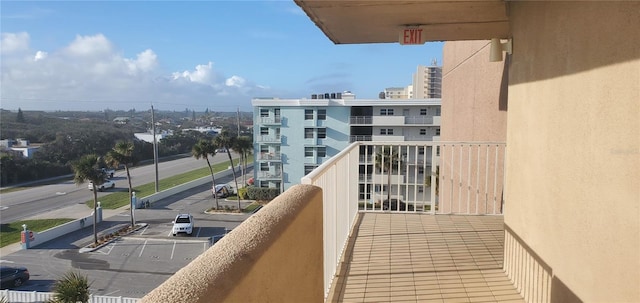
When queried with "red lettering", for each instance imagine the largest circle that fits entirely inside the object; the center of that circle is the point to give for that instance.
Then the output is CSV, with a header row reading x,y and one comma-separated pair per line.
x,y
411,36
407,34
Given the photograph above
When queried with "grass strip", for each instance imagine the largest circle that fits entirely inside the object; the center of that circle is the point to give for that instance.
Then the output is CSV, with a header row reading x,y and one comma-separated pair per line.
x,y
119,199
10,233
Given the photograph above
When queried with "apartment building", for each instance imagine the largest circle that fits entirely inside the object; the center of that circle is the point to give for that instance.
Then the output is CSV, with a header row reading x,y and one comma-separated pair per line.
x,y
427,81
294,136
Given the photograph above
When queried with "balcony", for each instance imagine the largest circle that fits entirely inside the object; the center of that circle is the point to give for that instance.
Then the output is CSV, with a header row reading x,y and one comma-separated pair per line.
x,y
269,157
269,175
270,120
355,138
451,251
274,139
360,120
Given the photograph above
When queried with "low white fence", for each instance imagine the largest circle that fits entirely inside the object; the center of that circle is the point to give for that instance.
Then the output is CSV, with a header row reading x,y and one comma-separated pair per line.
x,y
15,296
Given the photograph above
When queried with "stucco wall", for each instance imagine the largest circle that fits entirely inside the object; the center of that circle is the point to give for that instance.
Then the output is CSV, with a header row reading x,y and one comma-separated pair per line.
x,y
474,108
573,147
276,255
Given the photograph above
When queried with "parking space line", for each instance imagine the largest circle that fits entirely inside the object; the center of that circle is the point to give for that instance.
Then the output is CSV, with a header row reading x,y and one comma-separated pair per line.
x,y
198,234
143,246
145,229
173,249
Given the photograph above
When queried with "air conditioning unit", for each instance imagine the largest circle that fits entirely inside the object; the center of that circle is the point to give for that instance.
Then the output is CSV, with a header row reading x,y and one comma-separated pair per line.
x,y
314,96
333,95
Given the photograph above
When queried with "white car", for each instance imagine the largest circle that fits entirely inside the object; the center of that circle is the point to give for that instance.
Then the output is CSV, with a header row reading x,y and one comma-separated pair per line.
x,y
182,224
103,186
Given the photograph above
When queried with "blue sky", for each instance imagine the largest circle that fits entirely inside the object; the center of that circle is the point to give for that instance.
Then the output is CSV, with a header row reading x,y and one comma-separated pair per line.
x,y
93,55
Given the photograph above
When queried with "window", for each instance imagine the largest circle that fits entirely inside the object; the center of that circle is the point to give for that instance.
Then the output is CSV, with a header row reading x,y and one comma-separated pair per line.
x,y
386,131
308,151
421,150
264,113
308,133
322,151
437,150
264,131
322,133
420,170
322,114
438,131
264,149
308,169
420,189
386,112
438,111
264,166
423,112
308,114
423,131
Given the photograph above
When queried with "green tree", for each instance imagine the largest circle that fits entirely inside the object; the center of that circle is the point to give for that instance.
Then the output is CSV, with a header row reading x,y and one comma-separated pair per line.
x,y
225,141
427,181
122,154
72,288
20,116
244,146
203,149
88,169
387,160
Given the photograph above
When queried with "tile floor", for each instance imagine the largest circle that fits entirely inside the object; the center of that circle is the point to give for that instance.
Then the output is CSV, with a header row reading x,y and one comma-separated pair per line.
x,y
426,258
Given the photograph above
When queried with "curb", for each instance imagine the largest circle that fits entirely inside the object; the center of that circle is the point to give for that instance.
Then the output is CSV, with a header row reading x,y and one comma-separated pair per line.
x,y
87,249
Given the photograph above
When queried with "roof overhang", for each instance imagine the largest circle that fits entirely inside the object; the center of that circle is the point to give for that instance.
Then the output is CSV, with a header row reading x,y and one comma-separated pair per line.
x,y
381,21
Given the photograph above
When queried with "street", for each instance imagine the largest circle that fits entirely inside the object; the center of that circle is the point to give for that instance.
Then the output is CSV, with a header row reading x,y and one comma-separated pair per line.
x,y
19,205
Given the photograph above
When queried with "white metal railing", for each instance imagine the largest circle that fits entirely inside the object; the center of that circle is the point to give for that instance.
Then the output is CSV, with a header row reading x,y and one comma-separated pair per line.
x,y
360,138
36,296
467,179
361,119
269,174
269,138
270,120
269,156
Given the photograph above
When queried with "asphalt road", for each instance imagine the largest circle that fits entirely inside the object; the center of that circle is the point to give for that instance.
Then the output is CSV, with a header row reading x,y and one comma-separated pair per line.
x,y
30,202
136,264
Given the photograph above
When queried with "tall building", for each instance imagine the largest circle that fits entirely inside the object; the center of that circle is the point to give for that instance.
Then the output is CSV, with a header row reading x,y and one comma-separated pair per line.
x,y
427,81
294,136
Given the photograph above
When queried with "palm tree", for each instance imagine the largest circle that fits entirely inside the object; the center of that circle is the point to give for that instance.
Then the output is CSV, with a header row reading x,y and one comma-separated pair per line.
x,y
225,141
387,160
72,288
122,154
88,169
203,149
244,146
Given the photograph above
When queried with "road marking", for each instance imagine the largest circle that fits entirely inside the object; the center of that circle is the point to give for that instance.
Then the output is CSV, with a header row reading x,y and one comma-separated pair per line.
x,y
143,246
198,234
60,193
145,229
173,249
4,207
5,261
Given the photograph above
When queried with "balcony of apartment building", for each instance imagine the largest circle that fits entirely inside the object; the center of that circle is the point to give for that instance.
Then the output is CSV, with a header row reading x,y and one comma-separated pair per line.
x,y
269,156
269,139
270,121
423,120
327,241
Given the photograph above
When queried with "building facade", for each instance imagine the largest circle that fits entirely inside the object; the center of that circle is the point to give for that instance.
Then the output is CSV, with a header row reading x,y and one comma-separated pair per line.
x,y
427,82
294,136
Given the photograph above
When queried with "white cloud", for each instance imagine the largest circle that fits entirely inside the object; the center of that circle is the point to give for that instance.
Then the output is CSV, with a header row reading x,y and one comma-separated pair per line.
x,y
90,45
90,73
40,55
236,81
14,42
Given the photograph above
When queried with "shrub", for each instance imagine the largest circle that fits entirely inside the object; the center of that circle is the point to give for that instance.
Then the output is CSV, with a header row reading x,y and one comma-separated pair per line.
x,y
72,288
262,193
243,193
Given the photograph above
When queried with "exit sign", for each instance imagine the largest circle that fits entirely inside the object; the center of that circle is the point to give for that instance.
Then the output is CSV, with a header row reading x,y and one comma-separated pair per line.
x,y
412,36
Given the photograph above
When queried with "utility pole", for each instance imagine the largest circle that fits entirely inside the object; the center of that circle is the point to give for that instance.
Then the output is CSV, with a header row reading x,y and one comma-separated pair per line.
x,y
155,146
238,121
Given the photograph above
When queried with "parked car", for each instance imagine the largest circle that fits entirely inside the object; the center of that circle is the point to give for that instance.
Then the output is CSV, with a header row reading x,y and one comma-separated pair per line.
x,y
103,186
396,205
108,172
13,276
222,190
183,224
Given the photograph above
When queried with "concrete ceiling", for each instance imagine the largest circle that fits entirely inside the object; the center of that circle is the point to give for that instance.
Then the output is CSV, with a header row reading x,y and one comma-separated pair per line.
x,y
381,21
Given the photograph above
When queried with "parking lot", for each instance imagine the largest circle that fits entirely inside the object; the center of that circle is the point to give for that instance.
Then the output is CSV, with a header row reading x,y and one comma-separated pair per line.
x,y
132,265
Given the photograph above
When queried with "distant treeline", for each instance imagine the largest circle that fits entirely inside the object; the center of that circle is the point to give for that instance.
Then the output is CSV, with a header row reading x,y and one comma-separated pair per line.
x,y
67,139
